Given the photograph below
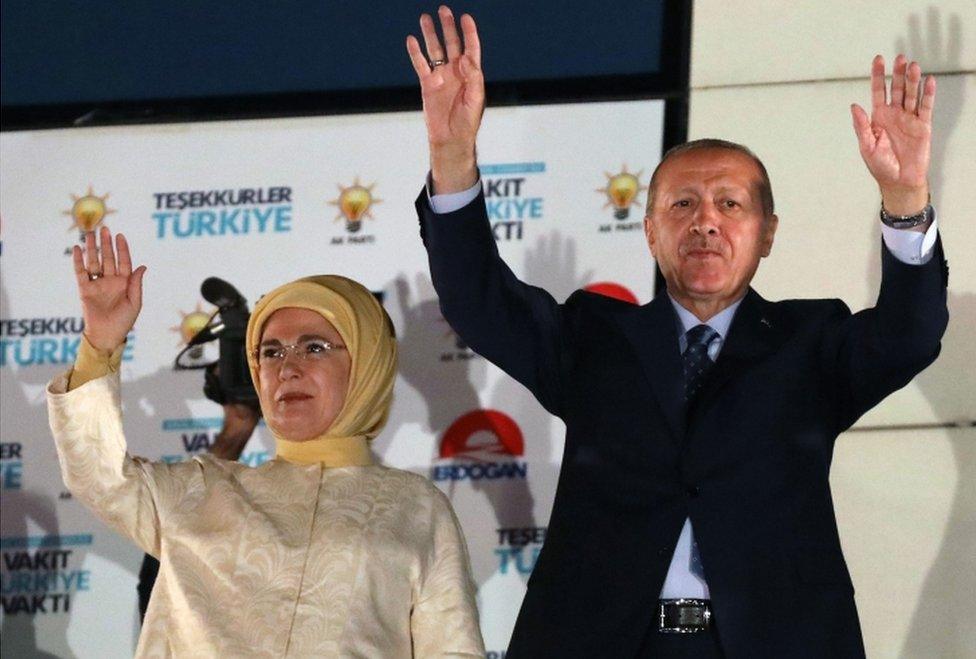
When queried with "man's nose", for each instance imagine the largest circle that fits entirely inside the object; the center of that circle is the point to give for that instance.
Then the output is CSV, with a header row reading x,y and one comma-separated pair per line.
x,y
706,220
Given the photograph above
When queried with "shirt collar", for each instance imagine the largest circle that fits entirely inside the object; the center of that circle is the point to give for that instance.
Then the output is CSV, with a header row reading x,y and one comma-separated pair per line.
x,y
719,322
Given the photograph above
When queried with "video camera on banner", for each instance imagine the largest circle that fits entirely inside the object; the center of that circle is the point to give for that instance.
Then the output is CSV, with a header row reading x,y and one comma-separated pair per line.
x,y
227,380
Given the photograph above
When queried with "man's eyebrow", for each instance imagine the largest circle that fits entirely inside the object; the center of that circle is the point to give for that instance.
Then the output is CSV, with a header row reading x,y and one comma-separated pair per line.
x,y
688,189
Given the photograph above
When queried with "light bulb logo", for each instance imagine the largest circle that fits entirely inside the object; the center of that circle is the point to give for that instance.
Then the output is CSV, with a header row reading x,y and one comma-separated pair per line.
x,y
88,211
354,203
621,192
191,324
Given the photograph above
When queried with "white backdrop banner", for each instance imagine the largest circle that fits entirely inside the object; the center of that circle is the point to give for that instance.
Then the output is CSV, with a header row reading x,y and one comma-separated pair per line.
x,y
259,203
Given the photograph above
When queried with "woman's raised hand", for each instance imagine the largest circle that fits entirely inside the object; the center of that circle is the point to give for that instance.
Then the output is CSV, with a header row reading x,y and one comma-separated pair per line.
x,y
110,291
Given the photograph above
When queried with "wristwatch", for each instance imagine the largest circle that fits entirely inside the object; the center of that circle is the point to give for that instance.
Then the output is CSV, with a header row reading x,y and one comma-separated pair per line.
x,y
907,221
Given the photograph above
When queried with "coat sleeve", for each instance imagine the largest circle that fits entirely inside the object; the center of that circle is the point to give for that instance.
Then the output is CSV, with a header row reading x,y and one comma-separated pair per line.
x,y
444,619
518,327
127,493
879,350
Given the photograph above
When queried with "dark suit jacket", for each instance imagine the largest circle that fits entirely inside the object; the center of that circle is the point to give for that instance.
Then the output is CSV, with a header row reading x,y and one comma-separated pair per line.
x,y
749,463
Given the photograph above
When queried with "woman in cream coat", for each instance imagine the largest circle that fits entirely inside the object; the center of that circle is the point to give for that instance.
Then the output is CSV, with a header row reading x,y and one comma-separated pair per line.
x,y
319,552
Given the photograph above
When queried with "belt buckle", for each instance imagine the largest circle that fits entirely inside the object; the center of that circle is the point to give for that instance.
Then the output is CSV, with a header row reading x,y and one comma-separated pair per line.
x,y
683,616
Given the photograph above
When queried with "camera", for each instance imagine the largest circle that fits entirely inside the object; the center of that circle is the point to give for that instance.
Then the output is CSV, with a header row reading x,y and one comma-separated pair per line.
x,y
228,380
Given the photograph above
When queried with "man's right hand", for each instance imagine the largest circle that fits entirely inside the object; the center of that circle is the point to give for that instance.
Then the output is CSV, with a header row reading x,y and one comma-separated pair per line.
x,y
239,423
110,302
453,90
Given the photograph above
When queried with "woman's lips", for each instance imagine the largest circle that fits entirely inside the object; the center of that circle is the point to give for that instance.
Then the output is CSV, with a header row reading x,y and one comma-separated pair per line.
x,y
293,397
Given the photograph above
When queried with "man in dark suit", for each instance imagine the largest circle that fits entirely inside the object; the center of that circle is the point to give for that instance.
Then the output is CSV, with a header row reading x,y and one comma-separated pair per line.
x,y
693,514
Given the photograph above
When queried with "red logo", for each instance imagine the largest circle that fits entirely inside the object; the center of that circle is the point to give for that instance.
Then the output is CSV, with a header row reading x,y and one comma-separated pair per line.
x,y
610,289
481,432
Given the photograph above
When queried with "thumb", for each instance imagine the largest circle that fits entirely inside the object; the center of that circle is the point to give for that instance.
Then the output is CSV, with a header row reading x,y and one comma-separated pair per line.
x,y
862,128
134,289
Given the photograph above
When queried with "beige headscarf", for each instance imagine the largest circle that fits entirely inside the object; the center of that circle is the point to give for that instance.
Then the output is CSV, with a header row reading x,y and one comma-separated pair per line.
x,y
368,334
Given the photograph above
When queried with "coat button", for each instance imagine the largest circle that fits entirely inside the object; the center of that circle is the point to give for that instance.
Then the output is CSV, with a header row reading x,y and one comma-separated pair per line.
x,y
693,491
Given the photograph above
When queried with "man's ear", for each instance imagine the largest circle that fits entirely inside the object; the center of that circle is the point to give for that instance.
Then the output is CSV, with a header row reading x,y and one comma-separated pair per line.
x,y
769,232
649,234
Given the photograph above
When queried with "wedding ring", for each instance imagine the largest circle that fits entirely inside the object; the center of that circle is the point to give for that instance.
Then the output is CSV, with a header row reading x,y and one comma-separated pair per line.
x,y
434,63
92,276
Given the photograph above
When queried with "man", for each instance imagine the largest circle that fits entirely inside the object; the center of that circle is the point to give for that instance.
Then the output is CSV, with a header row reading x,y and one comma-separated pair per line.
x,y
693,514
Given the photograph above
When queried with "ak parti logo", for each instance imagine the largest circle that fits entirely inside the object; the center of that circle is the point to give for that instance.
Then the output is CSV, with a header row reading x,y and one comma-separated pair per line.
x,y
481,445
355,203
88,210
191,324
612,289
622,191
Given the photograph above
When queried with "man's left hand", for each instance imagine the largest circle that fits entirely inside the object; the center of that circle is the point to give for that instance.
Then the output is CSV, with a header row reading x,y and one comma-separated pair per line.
x,y
896,141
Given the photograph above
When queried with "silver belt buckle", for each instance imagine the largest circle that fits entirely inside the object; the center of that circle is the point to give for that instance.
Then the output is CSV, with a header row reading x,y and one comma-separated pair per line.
x,y
691,623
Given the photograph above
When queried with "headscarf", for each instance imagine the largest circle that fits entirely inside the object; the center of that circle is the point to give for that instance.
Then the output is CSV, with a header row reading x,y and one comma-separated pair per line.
x,y
368,335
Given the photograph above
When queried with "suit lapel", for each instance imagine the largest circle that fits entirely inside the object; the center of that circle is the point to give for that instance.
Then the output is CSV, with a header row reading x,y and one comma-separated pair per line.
x,y
756,332
652,331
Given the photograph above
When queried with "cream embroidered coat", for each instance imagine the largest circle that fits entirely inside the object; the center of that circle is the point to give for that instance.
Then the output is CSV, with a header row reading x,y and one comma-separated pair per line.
x,y
279,560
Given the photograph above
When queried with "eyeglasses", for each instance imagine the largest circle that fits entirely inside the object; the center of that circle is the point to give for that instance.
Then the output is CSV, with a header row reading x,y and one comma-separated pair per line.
x,y
311,350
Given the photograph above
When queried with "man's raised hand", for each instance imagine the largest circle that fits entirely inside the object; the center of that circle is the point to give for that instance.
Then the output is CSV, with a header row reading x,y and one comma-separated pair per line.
x,y
895,142
110,291
453,90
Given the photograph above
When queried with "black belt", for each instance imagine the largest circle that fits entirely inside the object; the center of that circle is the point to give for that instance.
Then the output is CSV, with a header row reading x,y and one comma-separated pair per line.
x,y
683,616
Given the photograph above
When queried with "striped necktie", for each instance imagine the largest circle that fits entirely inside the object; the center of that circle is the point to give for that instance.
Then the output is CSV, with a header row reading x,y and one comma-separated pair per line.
x,y
696,363
695,360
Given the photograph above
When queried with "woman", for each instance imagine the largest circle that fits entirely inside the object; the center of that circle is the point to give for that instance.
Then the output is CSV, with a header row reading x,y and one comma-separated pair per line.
x,y
318,552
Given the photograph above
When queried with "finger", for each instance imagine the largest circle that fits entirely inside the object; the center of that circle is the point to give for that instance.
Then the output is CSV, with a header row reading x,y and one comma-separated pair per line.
x,y
911,86
431,42
125,259
91,253
862,128
474,85
451,39
927,103
134,288
420,64
472,44
877,83
898,81
79,262
108,253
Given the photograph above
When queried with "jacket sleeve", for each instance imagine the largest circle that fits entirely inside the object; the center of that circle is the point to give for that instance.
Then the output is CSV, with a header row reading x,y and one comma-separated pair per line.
x,y
879,350
127,493
518,327
444,619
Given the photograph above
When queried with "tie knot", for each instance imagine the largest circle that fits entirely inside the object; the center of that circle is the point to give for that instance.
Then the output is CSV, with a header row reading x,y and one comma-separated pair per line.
x,y
700,335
